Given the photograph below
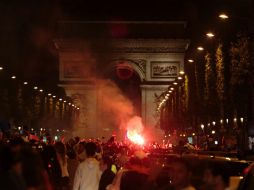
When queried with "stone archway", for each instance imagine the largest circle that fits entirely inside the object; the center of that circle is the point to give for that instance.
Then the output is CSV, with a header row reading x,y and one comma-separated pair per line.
x,y
155,61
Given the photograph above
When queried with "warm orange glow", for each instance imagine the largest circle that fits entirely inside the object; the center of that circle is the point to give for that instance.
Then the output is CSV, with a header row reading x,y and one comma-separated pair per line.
x,y
200,48
210,35
134,130
135,137
223,16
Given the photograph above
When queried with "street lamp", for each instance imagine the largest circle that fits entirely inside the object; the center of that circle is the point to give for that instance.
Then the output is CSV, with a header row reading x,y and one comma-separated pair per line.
x,y
181,72
210,35
202,127
200,48
223,16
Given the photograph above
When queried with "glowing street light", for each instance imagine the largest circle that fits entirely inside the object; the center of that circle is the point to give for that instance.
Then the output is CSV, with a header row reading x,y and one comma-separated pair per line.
x,y
1,68
190,60
223,16
13,77
200,48
181,72
210,35
25,83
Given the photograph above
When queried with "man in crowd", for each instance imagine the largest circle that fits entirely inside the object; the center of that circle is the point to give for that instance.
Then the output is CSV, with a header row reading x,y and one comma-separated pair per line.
x,y
88,173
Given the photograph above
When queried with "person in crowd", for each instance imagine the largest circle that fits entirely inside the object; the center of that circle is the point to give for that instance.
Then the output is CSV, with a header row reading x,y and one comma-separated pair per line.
x,y
215,177
122,157
22,169
141,165
81,153
35,175
115,185
52,166
180,175
88,173
62,159
72,164
107,174
133,180
11,177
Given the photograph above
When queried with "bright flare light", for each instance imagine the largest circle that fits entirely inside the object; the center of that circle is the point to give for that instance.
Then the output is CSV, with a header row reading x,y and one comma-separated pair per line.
x,y
135,137
134,130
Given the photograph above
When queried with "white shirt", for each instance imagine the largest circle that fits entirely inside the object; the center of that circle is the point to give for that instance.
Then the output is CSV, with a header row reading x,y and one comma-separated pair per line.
x,y
87,175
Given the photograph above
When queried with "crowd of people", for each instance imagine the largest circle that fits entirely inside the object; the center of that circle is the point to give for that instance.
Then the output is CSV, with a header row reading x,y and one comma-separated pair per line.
x,y
90,164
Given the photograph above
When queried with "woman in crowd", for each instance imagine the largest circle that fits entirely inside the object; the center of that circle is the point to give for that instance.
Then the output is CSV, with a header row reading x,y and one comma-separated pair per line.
x,y
62,159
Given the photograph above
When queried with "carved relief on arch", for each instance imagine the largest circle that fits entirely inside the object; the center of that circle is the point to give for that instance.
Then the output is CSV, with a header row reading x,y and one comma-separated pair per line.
x,y
138,65
81,101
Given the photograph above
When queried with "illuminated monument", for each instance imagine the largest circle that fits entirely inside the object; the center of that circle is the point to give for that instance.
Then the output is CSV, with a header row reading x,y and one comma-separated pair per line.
x,y
153,50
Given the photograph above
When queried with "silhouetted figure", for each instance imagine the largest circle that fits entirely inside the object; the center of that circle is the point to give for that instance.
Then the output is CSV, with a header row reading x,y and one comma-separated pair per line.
x,y
107,175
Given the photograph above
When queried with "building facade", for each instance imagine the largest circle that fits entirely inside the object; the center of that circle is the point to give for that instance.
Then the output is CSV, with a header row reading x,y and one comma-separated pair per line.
x,y
104,110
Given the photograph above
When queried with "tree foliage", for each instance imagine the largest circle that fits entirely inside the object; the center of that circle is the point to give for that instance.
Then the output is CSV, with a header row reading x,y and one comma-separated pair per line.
x,y
241,68
209,80
220,79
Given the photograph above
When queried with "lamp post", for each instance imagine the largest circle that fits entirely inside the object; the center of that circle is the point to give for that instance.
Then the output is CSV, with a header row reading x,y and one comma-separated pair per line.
x,y
249,30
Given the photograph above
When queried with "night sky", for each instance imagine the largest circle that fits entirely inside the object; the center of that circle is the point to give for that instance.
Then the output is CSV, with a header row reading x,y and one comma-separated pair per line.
x,y
28,27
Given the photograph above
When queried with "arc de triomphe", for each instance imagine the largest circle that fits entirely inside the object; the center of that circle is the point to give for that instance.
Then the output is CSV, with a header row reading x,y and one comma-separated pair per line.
x,y
156,61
